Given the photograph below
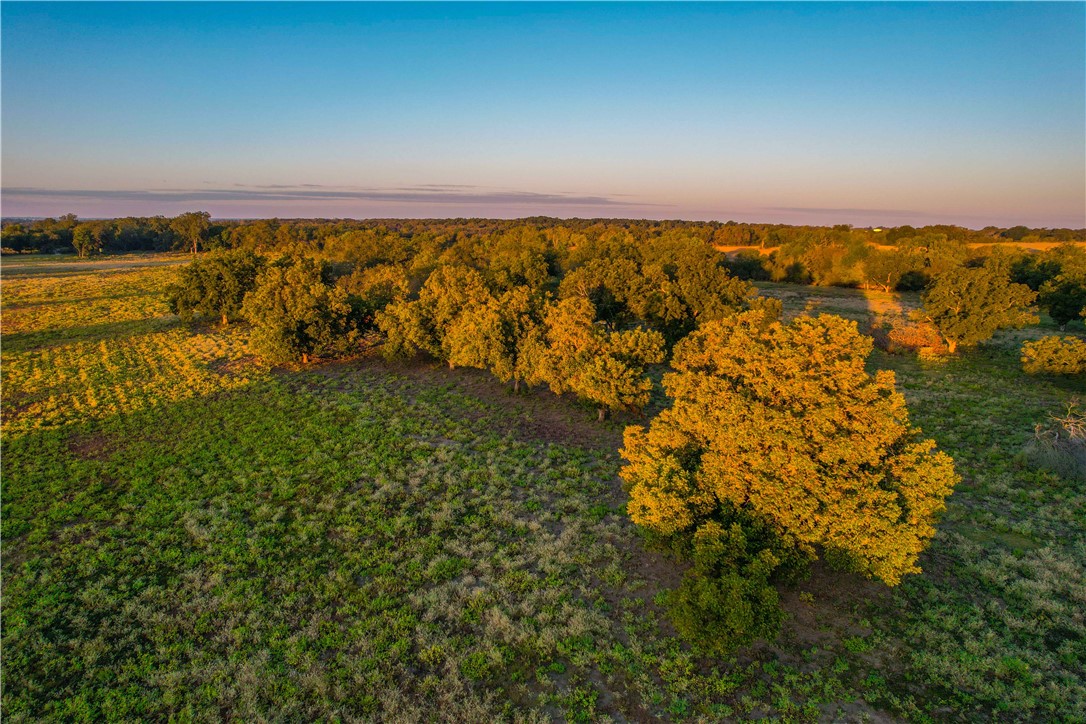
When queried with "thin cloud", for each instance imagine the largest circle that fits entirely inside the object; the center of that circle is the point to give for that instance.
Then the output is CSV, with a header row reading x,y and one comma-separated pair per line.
x,y
427,194
841,212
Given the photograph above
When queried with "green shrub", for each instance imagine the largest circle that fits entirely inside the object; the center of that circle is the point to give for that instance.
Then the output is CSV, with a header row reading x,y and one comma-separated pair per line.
x,y
719,613
1054,356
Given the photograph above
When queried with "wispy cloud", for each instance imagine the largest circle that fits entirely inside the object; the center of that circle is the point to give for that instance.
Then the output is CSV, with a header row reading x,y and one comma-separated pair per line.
x,y
847,212
452,194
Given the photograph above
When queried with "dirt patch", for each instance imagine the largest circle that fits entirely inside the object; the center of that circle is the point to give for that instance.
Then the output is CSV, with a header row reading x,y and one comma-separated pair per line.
x,y
91,446
824,608
225,367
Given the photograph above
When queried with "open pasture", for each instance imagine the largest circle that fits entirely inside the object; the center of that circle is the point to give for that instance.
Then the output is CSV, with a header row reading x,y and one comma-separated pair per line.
x,y
189,534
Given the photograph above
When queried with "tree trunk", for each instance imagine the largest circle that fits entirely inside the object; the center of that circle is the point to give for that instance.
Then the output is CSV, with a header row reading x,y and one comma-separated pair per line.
x,y
225,321
602,414
305,358
951,346
516,385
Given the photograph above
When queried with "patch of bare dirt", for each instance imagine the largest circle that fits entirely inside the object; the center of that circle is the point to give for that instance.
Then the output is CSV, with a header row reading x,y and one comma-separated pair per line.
x,y
225,367
91,446
823,608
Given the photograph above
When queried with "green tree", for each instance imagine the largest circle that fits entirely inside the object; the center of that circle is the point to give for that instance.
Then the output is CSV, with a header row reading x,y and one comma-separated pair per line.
x,y
370,290
1064,298
582,357
494,336
608,285
780,429
295,313
420,325
85,241
215,286
968,305
1054,356
192,228
886,269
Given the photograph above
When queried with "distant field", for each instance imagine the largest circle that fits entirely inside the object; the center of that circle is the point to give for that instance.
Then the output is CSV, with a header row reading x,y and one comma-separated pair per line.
x,y
1035,246
19,265
190,534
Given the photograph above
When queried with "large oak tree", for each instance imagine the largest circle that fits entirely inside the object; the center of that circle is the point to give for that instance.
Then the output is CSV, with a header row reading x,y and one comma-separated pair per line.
x,y
781,427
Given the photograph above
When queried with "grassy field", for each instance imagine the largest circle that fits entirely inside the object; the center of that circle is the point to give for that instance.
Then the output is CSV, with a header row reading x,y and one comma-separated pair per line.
x,y
188,534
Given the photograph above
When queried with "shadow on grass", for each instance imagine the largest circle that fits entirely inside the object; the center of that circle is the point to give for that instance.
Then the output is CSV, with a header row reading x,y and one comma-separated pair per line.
x,y
22,306
26,341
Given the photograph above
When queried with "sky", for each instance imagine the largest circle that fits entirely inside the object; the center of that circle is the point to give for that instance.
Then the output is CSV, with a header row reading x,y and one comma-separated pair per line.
x,y
821,113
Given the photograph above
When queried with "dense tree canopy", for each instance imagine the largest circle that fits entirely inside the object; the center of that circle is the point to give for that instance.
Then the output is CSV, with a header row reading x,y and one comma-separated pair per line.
x,y
295,313
214,286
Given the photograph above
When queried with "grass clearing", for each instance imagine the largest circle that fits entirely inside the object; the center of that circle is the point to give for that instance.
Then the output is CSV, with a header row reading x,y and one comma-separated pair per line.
x,y
188,534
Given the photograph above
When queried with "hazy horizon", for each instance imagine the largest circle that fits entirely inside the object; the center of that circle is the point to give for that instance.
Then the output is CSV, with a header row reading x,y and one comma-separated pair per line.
x,y
868,114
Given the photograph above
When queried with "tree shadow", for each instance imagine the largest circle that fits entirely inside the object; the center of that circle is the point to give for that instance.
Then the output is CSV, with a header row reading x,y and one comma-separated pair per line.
x,y
26,341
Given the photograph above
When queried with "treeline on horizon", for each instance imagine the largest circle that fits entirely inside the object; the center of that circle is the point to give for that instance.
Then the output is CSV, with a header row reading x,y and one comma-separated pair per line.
x,y
162,233
902,258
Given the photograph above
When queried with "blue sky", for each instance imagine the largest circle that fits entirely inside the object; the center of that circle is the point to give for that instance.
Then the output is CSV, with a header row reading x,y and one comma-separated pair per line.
x,y
873,113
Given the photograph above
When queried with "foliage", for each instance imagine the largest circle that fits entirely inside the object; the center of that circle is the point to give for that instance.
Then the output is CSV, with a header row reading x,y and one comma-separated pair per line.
x,y
371,289
734,608
214,286
413,326
968,306
84,241
677,283
1064,298
192,228
913,336
579,356
784,421
887,269
295,313
497,336
1054,355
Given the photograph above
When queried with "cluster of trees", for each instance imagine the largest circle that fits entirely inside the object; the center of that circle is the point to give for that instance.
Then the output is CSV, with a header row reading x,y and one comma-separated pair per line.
x,y
585,319
851,259
524,336
294,307
193,231
1058,277
968,305
778,446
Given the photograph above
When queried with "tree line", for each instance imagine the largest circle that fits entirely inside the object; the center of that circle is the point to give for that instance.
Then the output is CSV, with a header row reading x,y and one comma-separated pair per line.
x,y
161,233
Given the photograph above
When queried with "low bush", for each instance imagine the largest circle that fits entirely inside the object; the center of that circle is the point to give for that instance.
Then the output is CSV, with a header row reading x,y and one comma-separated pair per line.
x,y
904,336
1054,356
